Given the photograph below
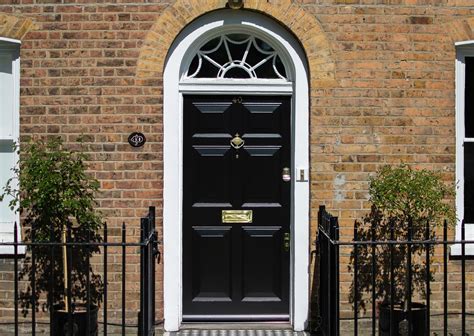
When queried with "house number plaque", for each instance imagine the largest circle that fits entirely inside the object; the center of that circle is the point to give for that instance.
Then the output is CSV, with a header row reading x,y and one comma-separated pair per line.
x,y
136,139
237,216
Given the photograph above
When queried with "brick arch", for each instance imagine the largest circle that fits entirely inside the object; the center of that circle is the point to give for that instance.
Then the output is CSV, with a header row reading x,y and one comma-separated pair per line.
x,y
294,17
14,27
459,30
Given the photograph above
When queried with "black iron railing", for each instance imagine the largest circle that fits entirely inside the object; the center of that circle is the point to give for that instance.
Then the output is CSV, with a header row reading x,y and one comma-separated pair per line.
x,y
149,254
329,267
328,272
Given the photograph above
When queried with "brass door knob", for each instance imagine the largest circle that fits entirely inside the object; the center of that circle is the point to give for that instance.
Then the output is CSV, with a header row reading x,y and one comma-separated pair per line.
x,y
286,242
285,174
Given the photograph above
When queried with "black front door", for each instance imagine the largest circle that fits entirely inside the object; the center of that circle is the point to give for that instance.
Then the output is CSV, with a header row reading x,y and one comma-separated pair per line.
x,y
236,263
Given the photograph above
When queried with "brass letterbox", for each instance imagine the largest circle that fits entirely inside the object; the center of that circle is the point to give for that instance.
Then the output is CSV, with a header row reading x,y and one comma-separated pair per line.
x,y
237,216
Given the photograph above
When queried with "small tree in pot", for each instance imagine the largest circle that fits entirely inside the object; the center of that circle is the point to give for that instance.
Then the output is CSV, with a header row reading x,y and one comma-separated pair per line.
x,y
406,203
56,197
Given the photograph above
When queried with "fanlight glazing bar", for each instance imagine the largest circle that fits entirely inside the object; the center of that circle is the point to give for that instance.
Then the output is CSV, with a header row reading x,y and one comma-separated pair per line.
x,y
236,56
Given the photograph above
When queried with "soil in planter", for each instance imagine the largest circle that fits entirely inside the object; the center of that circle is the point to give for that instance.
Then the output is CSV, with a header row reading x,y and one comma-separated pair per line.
x,y
79,321
400,323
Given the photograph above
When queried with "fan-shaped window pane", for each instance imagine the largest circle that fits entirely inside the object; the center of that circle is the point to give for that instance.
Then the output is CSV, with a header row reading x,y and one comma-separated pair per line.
x,y
263,45
237,73
193,67
211,45
265,70
236,56
280,67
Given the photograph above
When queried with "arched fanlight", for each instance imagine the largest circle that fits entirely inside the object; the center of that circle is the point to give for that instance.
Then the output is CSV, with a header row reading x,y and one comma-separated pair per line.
x,y
237,55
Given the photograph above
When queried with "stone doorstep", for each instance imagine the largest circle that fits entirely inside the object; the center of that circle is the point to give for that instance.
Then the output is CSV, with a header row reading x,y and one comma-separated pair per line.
x,y
237,329
237,332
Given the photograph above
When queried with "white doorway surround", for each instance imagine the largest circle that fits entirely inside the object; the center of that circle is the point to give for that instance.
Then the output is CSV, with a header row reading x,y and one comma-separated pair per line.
x,y
176,83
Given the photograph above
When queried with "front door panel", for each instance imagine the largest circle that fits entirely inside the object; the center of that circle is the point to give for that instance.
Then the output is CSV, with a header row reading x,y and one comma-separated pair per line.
x,y
236,269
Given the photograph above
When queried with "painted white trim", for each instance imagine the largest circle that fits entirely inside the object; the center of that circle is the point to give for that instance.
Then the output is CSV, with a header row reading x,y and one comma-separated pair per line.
x,y
226,86
12,47
7,39
180,54
463,49
463,43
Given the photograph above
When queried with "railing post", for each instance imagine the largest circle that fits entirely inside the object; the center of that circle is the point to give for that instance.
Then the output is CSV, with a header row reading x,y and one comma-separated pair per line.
x,y
328,247
373,275
68,257
463,278
124,260
105,278
335,223
445,278
148,253
356,282
409,276
428,277
51,281
322,210
324,273
330,294
33,281
88,285
153,254
142,314
15,275
392,280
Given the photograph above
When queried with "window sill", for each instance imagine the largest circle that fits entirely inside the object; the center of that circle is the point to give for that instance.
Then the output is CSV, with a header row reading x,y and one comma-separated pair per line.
x,y
6,138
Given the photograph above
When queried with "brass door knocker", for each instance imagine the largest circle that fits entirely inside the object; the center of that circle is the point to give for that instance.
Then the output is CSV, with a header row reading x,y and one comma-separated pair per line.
x,y
237,142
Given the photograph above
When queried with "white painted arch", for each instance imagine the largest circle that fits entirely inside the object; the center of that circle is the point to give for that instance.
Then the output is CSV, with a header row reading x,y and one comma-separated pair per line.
x,y
179,56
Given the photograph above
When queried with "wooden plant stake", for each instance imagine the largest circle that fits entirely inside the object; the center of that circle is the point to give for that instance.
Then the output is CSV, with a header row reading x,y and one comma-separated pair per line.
x,y
66,301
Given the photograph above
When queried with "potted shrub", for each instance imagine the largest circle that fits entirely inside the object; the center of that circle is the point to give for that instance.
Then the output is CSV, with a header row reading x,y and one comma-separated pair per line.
x,y
403,200
56,198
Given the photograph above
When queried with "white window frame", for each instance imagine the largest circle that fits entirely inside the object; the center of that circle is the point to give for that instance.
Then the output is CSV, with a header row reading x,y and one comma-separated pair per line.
x,y
463,49
179,57
12,47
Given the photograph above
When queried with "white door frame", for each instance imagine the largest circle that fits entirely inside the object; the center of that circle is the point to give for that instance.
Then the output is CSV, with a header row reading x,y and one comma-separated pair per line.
x,y
293,57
